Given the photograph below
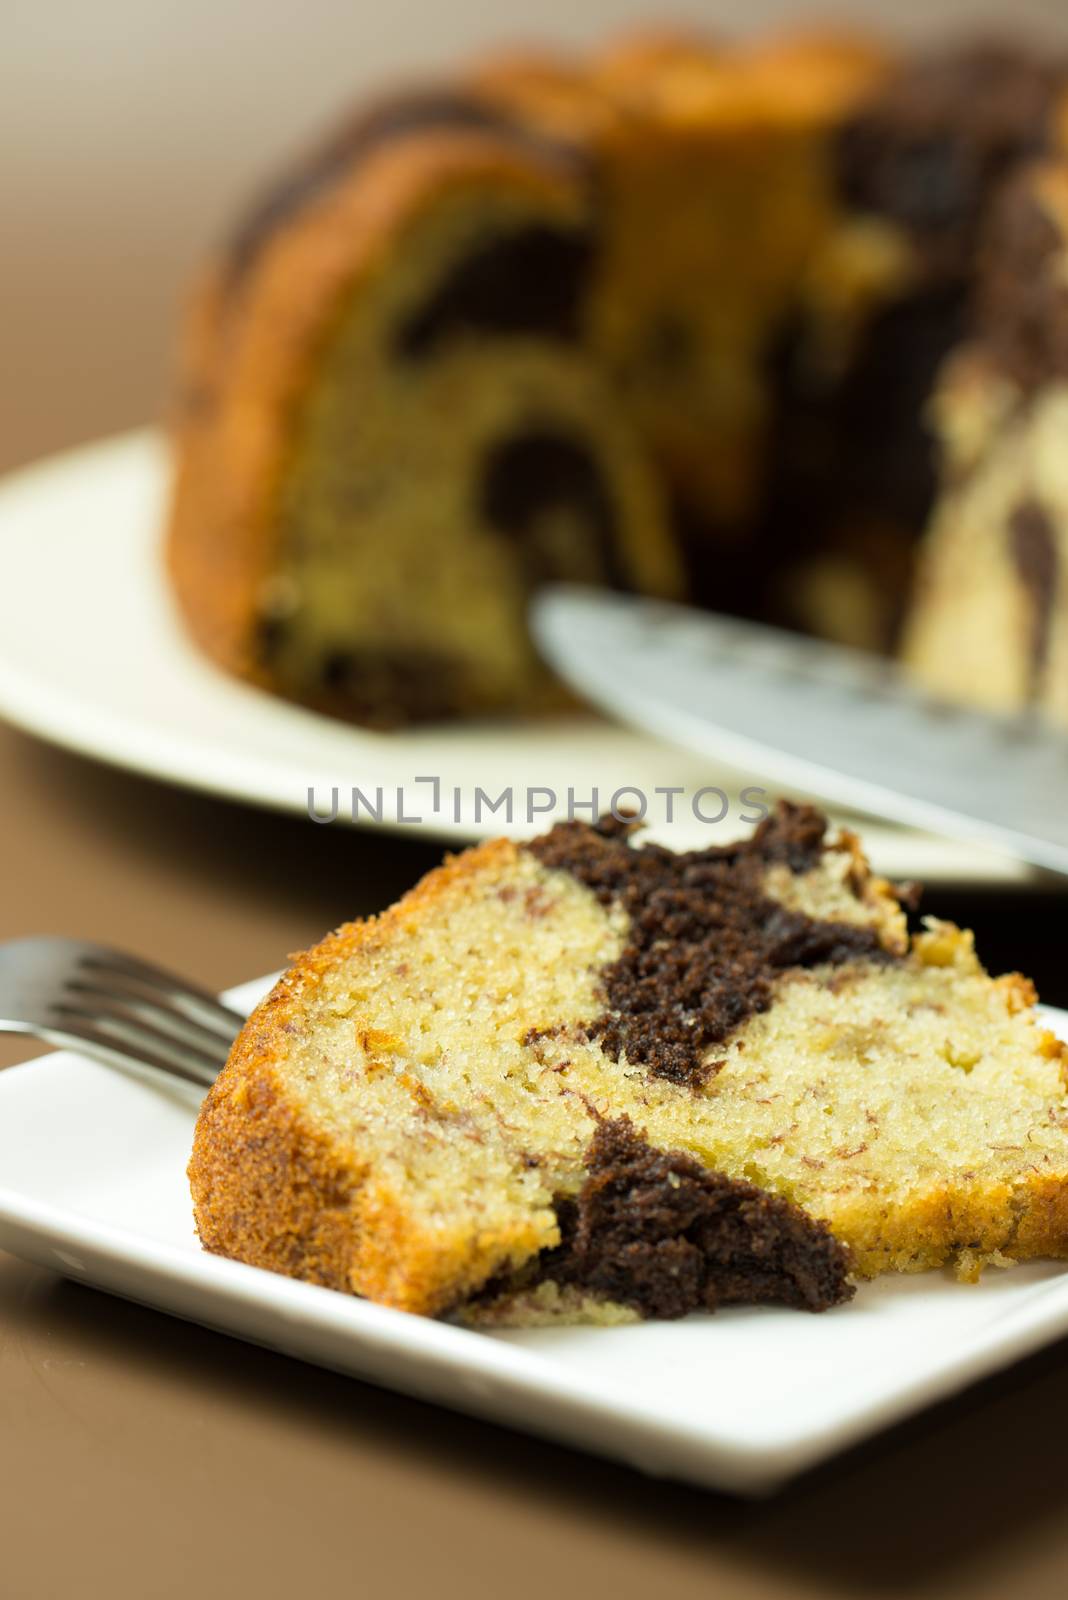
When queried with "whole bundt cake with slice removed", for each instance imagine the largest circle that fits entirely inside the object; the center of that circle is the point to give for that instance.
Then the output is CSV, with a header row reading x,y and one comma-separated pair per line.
x,y
586,1077
665,318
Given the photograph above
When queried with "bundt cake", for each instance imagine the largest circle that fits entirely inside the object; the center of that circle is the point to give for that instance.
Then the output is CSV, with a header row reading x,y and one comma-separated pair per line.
x,y
988,622
666,319
588,1078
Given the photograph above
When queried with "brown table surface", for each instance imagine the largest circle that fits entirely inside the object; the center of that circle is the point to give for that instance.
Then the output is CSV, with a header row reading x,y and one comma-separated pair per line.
x,y
143,1456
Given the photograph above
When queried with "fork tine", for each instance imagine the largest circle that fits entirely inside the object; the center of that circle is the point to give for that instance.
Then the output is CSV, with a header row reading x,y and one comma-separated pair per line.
x,y
195,1002
83,1036
113,1007
123,1029
157,1011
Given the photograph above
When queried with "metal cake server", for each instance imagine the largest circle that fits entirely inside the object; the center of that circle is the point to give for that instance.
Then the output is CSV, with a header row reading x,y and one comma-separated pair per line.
x,y
837,724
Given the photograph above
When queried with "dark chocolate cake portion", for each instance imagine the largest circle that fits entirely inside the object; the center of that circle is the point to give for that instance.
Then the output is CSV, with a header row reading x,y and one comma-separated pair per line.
x,y
929,150
541,471
656,1231
706,944
1033,538
532,280
1022,295
854,465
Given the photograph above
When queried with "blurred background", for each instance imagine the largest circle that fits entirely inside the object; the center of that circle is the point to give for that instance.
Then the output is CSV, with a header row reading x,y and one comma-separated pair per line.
x,y
132,128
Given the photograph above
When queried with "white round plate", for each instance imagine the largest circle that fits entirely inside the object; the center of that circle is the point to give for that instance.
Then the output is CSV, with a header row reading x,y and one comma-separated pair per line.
x,y
92,657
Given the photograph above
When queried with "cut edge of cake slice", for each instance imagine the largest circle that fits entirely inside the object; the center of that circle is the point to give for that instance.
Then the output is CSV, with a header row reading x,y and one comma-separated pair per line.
x,y
586,1078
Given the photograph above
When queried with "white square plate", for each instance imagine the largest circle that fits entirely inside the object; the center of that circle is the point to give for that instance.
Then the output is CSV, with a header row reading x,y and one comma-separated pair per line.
x,y
92,1185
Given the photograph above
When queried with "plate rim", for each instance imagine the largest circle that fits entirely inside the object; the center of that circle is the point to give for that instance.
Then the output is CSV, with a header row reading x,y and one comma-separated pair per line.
x,y
108,736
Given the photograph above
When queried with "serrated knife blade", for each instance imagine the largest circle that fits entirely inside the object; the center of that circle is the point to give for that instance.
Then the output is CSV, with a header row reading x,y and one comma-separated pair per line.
x,y
837,724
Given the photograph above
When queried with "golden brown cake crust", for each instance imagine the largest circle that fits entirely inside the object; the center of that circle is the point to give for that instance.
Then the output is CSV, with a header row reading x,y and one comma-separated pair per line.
x,y
249,350
267,1188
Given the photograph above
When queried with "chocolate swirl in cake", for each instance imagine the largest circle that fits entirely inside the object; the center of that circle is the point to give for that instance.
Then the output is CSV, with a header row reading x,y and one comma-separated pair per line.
x,y
1022,296
706,945
929,150
532,280
1033,540
655,1230
533,475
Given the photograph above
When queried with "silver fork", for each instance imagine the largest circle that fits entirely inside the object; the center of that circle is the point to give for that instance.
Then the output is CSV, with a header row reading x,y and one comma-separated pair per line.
x,y
114,1008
